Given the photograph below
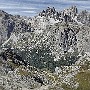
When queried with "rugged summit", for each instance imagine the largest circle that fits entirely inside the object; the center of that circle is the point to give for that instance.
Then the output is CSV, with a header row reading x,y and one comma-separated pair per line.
x,y
46,31
60,32
66,15
49,49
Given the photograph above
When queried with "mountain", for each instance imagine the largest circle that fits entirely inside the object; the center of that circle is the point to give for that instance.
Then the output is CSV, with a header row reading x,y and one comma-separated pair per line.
x,y
47,52
11,24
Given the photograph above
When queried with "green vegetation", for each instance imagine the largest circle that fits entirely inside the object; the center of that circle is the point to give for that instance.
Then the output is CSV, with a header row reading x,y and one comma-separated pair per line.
x,y
83,77
84,80
40,58
66,87
23,72
68,59
12,65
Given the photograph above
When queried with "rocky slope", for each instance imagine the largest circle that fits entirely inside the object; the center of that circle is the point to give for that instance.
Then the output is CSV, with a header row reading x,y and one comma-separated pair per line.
x,y
47,52
11,24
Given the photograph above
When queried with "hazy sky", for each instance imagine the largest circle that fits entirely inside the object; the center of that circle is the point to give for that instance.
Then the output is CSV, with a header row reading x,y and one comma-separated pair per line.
x,y
33,7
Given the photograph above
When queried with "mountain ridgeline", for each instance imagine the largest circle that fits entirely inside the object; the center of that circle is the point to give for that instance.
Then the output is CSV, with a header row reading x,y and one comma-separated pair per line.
x,y
47,40
50,51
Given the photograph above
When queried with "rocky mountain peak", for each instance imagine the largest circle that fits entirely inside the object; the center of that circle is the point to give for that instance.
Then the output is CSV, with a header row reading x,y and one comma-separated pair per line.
x,y
2,12
49,49
66,13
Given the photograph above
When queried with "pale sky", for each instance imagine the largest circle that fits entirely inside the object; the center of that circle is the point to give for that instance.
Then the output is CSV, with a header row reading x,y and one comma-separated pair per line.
x,y
33,7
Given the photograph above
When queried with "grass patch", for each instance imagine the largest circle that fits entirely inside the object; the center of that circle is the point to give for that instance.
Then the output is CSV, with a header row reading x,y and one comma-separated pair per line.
x,y
23,72
12,64
84,80
66,87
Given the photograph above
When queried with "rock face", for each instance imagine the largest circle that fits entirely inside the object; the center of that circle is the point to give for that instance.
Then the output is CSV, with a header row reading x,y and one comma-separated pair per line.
x,y
68,39
33,48
61,32
11,24
84,17
67,14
